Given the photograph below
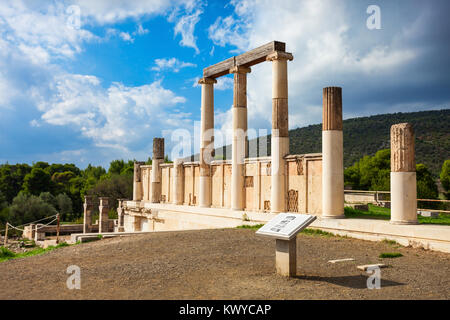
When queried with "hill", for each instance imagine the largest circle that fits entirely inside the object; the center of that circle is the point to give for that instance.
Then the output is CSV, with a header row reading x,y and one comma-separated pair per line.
x,y
366,135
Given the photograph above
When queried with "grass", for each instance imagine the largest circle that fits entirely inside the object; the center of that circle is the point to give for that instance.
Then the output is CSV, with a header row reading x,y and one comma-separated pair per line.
x,y
390,255
6,254
311,232
391,242
376,212
246,226
317,232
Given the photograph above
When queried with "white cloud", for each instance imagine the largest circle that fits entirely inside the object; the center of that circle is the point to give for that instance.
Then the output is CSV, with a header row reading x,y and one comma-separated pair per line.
x,y
171,64
185,27
42,33
329,48
115,117
126,36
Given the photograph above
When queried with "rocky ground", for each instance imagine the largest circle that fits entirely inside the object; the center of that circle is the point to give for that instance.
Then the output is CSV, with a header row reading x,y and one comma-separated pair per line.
x,y
224,264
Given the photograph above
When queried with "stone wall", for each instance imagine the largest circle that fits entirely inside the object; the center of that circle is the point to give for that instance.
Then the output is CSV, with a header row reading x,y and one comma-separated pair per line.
x,y
303,190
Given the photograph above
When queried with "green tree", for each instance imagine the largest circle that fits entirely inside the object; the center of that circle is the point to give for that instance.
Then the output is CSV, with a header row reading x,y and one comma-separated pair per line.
x,y
47,197
370,173
11,179
116,166
445,175
116,187
426,186
37,181
64,206
26,208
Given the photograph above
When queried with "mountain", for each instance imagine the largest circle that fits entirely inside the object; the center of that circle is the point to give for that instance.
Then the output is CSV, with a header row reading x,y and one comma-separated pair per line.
x,y
366,135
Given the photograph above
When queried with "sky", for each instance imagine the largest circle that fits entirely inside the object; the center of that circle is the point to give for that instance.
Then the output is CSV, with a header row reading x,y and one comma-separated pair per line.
x,y
87,82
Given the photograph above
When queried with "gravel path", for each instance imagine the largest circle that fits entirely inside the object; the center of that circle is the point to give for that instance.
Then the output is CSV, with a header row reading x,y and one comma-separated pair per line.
x,y
224,264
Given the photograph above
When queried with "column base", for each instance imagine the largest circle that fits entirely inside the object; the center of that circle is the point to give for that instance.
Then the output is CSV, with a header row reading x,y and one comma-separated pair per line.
x,y
404,222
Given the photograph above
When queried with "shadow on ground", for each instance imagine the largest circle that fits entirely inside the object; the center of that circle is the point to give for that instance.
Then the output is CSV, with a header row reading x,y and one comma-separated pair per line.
x,y
354,282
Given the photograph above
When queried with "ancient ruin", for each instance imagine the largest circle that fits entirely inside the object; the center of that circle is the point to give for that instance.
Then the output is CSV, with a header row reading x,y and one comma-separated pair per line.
x,y
211,193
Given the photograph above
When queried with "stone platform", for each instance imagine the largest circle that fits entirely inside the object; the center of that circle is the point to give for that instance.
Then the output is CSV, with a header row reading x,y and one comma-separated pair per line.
x,y
171,217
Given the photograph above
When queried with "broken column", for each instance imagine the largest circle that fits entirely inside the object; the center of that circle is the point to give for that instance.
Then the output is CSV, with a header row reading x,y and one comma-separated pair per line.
x,y
103,220
88,209
238,151
403,175
332,154
206,140
280,129
120,215
137,182
178,182
156,177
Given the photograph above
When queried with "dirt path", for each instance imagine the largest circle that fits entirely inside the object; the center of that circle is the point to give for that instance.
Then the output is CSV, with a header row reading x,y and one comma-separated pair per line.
x,y
223,264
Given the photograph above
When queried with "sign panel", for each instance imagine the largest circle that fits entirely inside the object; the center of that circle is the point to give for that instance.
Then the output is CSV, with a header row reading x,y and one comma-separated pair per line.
x,y
285,226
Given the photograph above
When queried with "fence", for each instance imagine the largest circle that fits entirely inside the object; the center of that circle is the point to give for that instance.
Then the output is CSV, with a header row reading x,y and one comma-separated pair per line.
x,y
383,197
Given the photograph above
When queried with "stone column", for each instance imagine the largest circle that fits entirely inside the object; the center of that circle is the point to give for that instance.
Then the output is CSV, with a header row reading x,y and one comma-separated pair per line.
x,y
239,145
103,220
158,158
120,215
38,234
206,140
178,182
137,182
332,154
403,175
280,129
286,257
88,209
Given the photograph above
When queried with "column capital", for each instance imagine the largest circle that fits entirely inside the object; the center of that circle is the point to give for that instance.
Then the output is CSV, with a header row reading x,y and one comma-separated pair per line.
x,y
279,55
207,81
240,69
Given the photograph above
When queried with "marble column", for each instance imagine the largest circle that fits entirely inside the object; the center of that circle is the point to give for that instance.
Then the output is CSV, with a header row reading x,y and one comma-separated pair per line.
x,y
178,182
156,177
206,140
88,209
332,154
239,144
403,175
103,220
280,129
120,215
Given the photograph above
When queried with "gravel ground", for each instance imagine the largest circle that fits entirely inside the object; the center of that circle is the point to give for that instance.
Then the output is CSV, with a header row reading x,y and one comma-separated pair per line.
x,y
224,264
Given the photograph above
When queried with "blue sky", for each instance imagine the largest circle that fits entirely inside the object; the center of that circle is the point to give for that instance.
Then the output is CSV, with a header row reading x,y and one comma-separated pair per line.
x,y
101,89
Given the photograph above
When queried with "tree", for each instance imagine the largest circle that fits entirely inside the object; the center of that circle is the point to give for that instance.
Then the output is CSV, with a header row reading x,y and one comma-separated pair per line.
x,y
445,175
116,166
370,173
116,187
426,186
47,197
26,208
64,206
11,179
37,181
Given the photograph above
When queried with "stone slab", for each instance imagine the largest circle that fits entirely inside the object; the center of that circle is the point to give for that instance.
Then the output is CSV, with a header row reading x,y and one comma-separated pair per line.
x,y
367,266
341,260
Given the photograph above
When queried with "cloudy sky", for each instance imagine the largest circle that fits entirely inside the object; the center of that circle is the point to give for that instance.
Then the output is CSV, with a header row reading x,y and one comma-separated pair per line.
x,y
89,81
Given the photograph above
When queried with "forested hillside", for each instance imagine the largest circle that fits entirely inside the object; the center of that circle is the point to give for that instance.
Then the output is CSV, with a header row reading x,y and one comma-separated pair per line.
x,y
366,135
